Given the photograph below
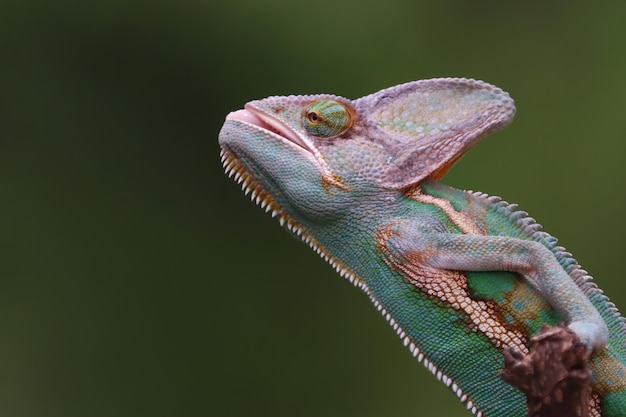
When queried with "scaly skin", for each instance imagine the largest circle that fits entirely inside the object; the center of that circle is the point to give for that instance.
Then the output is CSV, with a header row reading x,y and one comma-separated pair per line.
x,y
459,275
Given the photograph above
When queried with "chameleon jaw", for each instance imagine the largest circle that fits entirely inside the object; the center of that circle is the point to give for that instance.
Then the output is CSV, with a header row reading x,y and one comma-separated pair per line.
x,y
276,129
234,168
268,125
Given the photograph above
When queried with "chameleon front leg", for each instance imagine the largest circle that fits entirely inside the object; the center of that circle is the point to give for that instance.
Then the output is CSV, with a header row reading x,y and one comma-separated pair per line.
x,y
428,248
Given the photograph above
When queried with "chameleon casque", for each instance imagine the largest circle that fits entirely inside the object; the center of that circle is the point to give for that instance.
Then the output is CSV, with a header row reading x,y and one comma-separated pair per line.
x,y
459,275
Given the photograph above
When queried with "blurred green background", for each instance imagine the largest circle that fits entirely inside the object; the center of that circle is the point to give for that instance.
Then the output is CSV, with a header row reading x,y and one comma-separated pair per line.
x,y
137,280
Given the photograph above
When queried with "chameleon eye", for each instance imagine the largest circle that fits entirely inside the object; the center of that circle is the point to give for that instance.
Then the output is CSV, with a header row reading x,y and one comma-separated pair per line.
x,y
326,119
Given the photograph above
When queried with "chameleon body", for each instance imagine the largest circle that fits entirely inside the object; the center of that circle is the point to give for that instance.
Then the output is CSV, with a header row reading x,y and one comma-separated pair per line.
x,y
459,275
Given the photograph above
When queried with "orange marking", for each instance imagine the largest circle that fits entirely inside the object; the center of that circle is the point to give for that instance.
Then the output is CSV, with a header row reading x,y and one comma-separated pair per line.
x,y
462,220
333,180
450,287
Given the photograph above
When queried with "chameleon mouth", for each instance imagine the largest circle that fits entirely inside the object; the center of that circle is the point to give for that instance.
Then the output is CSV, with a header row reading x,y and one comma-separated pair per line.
x,y
268,124
274,128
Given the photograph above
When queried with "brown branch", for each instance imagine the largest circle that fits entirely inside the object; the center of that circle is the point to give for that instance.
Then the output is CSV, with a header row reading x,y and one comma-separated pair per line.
x,y
555,375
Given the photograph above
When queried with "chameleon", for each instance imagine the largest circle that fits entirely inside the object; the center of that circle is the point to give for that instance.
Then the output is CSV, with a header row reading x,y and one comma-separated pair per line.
x,y
459,275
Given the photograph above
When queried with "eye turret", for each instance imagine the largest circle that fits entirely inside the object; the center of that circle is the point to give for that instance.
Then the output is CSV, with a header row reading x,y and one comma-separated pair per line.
x,y
326,119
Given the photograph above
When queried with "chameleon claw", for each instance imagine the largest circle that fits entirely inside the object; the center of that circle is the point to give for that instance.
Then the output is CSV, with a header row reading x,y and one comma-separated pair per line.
x,y
594,336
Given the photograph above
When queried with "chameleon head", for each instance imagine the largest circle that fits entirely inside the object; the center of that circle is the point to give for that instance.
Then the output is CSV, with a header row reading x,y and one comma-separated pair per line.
x,y
307,152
